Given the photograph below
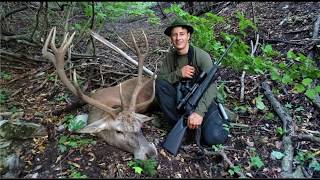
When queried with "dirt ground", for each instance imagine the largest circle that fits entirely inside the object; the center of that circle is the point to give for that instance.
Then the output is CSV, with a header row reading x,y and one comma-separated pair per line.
x,y
280,21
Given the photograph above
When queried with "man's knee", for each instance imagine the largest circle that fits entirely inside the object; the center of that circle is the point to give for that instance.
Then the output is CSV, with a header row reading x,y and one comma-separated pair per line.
x,y
215,136
213,131
161,84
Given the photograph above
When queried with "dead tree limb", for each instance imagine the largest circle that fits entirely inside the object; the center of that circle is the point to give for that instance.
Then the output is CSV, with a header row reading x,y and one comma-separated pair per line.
x,y
306,137
288,129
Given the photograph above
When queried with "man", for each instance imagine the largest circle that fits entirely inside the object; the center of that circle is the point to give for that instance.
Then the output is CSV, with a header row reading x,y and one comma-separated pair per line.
x,y
181,64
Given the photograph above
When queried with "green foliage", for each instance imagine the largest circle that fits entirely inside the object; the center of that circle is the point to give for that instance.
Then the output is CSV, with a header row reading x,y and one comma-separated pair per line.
x,y
242,108
75,123
76,174
234,169
256,161
269,116
277,155
62,97
259,104
244,23
280,131
315,164
67,142
5,75
51,77
148,166
221,94
3,96
302,156
217,147
113,11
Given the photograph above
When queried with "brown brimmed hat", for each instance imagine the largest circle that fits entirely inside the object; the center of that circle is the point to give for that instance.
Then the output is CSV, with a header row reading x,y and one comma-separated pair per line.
x,y
178,22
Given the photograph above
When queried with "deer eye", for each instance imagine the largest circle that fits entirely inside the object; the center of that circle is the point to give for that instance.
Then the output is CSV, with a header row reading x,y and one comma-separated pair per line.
x,y
119,132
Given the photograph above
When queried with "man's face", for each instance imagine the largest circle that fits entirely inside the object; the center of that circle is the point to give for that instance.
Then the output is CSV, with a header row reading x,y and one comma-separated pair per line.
x,y
180,37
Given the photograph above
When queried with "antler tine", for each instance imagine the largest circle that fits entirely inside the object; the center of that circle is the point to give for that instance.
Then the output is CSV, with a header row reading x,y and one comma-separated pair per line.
x,y
65,38
147,44
53,39
126,44
139,85
135,45
45,52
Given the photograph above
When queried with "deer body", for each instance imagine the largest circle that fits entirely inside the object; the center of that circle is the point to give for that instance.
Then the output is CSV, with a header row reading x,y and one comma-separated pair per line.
x,y
114,113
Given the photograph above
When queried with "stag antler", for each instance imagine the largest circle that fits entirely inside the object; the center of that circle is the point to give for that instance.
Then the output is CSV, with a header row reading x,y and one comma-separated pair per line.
x,y
141,56
58,60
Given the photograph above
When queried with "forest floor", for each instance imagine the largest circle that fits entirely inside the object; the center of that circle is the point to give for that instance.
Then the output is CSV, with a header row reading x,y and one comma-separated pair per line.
x,y
253,135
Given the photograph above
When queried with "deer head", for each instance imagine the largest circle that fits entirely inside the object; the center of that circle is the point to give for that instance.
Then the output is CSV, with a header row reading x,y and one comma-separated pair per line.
x,y
115,111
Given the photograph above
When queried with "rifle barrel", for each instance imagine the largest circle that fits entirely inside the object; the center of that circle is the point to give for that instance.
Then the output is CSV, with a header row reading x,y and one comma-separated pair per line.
x,y
225,52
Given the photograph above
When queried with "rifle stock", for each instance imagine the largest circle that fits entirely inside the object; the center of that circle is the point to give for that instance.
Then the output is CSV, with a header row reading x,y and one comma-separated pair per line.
x,y
174,138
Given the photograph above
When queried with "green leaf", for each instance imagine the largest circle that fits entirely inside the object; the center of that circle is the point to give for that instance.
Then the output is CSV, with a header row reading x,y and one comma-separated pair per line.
x,y
286,79
317,88
137,169
288,105
277,155
275,75
306,81
291,55
315,164
270,116
299,88
78,122
259,104
256,162
311,93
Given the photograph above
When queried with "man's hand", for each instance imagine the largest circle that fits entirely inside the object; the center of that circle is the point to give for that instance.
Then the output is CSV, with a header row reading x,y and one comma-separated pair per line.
x,y
187,71
194,120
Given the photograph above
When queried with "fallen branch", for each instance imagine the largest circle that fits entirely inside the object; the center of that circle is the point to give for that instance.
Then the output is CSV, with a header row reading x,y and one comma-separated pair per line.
x,y
109,44
20,56
275,41
288,129
306,137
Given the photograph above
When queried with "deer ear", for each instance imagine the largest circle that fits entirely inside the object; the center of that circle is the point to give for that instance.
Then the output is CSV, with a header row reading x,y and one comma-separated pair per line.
x,y
143,118
95,127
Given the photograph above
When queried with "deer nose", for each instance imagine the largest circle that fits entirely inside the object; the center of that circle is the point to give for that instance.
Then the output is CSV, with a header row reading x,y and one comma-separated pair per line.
x,y
152,153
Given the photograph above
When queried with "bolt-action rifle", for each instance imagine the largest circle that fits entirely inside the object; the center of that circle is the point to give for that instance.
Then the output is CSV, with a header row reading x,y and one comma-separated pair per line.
x,y
188,105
